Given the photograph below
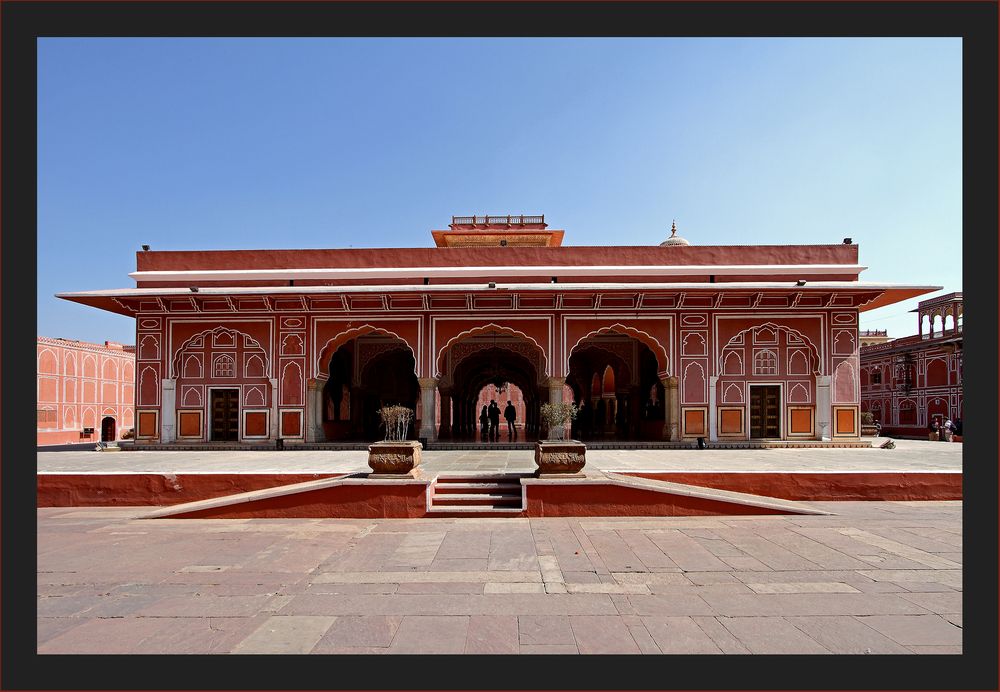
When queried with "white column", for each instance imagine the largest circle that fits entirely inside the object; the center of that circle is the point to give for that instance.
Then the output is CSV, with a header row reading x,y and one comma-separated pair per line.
x,y
823,430
428,385
314,411
713,415
168,410
274,409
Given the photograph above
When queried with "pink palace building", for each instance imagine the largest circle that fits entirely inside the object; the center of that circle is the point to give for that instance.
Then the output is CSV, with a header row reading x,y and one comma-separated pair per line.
x,y
907,383
665,342
85,391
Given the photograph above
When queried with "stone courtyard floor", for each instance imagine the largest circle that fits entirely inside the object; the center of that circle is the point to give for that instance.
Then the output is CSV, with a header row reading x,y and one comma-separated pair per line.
x,y
878,577
909,455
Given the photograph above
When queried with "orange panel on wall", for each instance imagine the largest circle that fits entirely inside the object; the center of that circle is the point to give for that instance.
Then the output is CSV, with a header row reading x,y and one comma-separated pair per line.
x,y
189,423
291,424
800,421
694,421
147,423
255,424
731,421
845,421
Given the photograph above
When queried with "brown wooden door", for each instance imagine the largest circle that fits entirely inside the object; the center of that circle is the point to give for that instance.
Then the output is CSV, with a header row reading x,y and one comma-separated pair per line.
x,y
225,415
765,411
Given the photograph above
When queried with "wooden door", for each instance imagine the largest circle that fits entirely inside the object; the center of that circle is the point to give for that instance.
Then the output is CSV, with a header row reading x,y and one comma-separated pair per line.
x,y
225,415
765,412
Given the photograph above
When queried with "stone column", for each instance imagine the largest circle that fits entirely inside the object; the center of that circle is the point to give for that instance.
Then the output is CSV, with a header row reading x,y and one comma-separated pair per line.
x,y
314,410
671,409
555,386
713,414
275,429
428,385
823,430
445,413
168,410
357,412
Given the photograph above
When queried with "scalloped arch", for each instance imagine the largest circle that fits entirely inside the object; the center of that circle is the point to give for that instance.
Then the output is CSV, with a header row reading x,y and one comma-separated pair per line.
x,y
477,331
321,365
662,359
175,358
816,360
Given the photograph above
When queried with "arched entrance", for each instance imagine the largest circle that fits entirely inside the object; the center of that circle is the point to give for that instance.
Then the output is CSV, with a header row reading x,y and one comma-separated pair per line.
x,y
108,429
496,362
616,383
365,374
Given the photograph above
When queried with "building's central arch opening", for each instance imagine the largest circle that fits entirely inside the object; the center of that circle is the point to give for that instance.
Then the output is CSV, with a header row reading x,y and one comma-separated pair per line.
x,y
367,373
487,368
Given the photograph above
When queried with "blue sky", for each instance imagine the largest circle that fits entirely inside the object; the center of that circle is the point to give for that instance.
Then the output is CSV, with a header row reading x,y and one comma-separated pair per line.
x,y
304,143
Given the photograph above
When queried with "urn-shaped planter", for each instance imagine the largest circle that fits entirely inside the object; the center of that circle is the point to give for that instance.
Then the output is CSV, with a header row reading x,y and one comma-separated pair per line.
x,y
560,457
869,430
391,458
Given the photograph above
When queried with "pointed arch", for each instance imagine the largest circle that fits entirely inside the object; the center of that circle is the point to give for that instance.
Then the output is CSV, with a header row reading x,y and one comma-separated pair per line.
x,y
732,363
694,383
198,341
662,359
490,328
608,381
798,393
815,361
321,365
733,394
845,387
47,362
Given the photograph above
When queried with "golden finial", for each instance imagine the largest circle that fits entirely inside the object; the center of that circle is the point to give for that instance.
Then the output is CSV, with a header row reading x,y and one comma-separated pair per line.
x,y
673,228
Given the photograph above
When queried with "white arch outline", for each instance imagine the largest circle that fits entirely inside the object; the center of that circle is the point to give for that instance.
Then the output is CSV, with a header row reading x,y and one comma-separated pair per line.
x,y
808,342
620,328
174,360
476,331
321,364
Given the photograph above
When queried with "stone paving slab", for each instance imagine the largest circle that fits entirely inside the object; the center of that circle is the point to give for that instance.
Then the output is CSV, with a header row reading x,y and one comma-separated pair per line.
x,y
909,455
109,582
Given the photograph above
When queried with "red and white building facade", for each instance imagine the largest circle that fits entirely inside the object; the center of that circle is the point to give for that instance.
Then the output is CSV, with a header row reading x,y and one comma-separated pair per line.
x,y
909,382
86,391
663,342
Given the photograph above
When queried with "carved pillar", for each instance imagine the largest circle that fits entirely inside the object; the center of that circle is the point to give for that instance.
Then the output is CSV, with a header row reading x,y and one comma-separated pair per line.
x,y
445,413
671,409
168,410
428,385
713,415
823,407
555,386
274,409
314,410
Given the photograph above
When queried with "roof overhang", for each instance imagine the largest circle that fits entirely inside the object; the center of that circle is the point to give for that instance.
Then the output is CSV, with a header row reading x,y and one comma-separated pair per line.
x,y
418,273
882,294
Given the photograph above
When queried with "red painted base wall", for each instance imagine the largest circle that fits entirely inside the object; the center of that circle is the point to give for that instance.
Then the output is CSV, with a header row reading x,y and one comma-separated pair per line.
x,y
827,486
142,489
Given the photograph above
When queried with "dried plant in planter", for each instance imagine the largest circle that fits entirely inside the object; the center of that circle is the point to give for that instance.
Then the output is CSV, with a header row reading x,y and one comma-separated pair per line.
x,y
396,420
555,417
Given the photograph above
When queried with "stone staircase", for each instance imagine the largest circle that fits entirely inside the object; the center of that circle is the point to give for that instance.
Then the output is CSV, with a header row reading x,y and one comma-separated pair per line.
x,y
480,495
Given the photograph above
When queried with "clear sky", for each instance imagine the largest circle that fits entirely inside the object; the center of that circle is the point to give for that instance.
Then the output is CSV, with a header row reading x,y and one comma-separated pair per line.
x,y
306,143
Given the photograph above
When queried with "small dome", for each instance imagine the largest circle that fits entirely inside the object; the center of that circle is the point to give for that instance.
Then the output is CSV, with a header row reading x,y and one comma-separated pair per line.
x,y
674,239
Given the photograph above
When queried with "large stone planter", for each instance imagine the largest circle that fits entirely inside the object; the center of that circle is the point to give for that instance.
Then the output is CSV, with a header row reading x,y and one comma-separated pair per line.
x,y
394,459
869,431
560,457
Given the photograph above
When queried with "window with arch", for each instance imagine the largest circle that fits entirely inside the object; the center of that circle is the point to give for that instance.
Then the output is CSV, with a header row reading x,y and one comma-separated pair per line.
x,y
877,376
224,366
765,362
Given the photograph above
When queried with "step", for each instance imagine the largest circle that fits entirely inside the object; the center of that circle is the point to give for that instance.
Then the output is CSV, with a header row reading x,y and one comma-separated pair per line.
x,y
463,487
478,499
477,510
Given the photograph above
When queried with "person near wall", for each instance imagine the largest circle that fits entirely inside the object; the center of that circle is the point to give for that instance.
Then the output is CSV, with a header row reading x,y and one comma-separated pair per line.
x,y
932,430
946,431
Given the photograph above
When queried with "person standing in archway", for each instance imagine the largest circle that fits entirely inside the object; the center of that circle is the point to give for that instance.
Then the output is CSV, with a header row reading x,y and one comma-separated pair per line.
x,y
484,423
494,412
510,414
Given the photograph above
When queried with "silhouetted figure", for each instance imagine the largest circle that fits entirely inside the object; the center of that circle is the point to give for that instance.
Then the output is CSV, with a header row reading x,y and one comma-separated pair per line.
x,y
494,412
510,414
484,423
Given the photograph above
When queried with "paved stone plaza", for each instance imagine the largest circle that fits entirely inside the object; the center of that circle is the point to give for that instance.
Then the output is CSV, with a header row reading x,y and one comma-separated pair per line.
x,y
909,455
878,577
